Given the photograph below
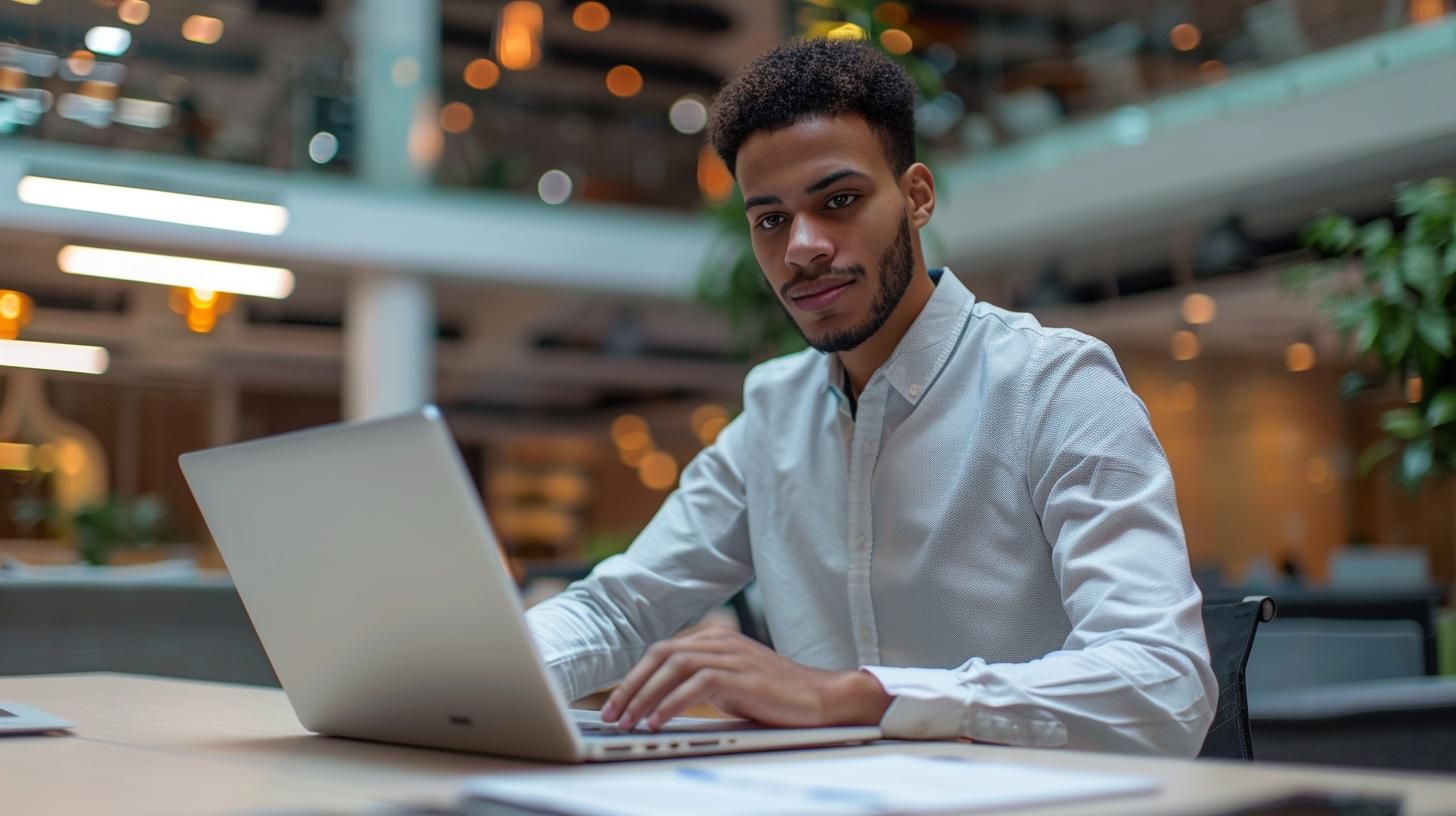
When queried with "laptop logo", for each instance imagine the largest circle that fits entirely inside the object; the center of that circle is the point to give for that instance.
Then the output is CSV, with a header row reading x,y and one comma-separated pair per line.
x,y
456,719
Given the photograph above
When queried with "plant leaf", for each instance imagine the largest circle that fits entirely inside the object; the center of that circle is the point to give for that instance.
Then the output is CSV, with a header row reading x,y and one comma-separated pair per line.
x,y
1352,384
1442,408
1395,342
1330,233
1403,423
1367,331
1420,267
1433,324
1375,237
1415,463
1374,455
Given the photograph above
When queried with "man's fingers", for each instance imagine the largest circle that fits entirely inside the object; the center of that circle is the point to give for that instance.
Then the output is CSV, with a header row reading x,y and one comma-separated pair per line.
x,y
674,671
699,688
627,689
718,641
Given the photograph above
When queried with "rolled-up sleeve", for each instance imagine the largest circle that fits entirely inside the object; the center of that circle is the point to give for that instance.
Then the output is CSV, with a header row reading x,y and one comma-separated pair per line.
x,y
1134,673
690,558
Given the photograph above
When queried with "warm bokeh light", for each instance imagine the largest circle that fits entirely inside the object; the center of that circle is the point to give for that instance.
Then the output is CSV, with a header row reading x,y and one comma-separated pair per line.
x,y
847,31
1427,11
15,312
1199,309
482,74
708,433
565,488
1213,70
626,425
17,456
12,79
624,81
892,14
1185,346
1185,36
518,38
896,41
1299,357
200,28
134,12
81,62
658,471
1415,389
705,413
99,90
591,16
456,117
635,441
714,179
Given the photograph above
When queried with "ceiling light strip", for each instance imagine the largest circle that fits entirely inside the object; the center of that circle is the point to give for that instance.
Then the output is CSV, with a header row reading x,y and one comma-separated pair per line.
x,y
54,356
172,270
154,205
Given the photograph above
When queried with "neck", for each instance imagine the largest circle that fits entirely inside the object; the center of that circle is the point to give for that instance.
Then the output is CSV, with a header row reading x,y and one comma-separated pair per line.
x,y
862,361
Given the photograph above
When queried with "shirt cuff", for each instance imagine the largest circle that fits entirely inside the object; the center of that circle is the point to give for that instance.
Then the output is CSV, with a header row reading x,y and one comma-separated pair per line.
x,y
940,704
929,703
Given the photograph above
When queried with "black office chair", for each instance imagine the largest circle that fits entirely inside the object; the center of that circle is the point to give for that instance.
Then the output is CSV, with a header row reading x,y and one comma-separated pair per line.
x,y
1230,628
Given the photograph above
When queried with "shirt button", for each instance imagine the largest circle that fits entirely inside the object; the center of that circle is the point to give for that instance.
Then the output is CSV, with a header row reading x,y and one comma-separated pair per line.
x,y
864,632
914,390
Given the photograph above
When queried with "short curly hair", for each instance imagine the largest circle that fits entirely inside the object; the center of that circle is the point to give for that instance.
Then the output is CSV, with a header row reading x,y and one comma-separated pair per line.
x,y
804,78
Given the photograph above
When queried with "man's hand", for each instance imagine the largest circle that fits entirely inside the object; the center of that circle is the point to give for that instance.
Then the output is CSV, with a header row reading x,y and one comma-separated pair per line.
x,y
743,678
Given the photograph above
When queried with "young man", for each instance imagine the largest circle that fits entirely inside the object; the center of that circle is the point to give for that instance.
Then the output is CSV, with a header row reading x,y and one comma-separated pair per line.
x,y
961,522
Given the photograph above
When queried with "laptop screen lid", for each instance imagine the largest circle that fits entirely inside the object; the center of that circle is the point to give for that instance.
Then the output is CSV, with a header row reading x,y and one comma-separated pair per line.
x,y
366,564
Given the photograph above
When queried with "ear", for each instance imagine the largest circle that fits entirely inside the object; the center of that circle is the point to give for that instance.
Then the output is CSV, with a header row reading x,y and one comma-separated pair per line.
x,y
918,186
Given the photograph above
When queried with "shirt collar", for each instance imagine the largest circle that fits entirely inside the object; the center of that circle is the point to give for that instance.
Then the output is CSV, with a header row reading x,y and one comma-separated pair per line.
x,y
925,348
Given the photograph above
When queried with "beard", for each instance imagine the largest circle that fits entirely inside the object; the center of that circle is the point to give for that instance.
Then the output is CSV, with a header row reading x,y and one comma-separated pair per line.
x,y
897,268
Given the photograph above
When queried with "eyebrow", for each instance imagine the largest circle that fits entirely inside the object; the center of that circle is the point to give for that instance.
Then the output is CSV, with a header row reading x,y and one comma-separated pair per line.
x,y
837,175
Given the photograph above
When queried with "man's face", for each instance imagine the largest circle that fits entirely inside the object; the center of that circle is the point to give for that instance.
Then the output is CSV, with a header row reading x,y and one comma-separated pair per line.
x,y
829,224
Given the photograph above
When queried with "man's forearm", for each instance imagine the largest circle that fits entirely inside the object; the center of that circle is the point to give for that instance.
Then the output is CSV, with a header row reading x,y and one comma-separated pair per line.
x,y
855,698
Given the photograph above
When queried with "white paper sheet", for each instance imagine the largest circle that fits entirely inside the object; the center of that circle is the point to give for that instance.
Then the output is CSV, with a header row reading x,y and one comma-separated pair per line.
x,y
882,784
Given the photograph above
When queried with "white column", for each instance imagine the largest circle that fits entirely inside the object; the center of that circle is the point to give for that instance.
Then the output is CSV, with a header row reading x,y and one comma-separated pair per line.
x,y
389,320
389,346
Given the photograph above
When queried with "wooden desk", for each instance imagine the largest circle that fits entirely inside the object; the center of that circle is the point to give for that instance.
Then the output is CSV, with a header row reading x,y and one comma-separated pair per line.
x,y
154,746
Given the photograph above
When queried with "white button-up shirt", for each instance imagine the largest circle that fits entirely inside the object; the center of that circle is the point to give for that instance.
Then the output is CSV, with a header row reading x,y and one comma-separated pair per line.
x,y
992,533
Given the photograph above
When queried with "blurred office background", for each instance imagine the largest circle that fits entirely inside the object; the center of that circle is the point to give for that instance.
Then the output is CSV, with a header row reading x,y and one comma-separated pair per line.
x,y
507,208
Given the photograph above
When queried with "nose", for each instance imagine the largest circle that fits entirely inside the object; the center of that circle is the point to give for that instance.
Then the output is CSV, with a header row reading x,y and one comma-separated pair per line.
x,y
809,245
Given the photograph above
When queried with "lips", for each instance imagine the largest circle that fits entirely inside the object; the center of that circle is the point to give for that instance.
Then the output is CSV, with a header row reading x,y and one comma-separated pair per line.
x,y
819,294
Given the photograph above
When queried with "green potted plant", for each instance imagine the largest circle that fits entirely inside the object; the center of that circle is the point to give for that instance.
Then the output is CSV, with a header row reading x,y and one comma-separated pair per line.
x,y
97,530
1390,290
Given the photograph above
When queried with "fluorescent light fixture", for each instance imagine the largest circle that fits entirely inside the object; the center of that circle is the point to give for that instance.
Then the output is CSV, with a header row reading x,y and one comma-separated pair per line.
x,y
108,40
54,356
17,456
154,205
142,113
173,270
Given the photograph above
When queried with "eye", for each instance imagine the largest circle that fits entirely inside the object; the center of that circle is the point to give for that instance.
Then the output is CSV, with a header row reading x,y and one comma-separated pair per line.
x,y
770,221
840,200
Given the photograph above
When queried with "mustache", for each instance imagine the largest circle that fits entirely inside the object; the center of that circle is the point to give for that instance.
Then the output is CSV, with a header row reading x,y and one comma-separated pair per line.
x,y
855,271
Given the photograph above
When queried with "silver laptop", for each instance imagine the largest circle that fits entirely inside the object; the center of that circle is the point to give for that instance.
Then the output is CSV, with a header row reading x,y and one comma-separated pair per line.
x,y
363,556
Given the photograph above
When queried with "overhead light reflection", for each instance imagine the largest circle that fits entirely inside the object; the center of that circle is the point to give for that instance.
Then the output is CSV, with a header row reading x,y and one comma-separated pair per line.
x,y
201,29
54,356
173,270
154,205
